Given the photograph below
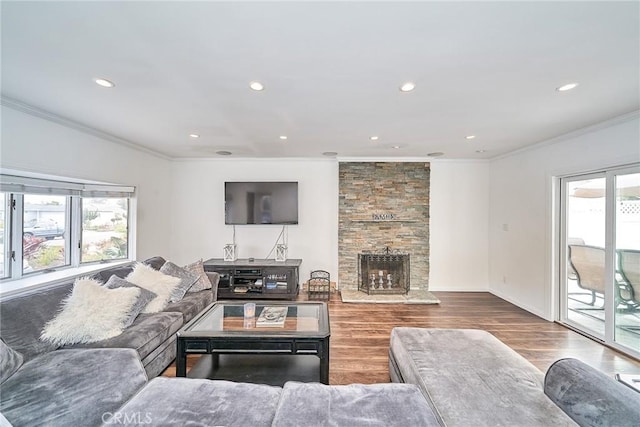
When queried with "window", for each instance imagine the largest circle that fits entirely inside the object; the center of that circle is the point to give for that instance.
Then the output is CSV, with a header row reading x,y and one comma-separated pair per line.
x,y
48,225
105,232
44,221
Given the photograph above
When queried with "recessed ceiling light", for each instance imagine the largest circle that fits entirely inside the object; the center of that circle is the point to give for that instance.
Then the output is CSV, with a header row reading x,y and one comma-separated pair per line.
x,y
223,153
283,137
395,147
104,82
567,87
194,135
480,151
435,154
256,86
330,153
373,138
470,137
407,87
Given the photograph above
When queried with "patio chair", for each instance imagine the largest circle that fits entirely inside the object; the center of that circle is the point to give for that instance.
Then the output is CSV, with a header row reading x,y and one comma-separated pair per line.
x,y
588,264
570,271
629,270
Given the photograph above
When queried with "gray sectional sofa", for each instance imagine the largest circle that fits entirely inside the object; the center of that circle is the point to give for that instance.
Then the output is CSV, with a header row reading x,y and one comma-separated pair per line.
x,y
83,381
181,401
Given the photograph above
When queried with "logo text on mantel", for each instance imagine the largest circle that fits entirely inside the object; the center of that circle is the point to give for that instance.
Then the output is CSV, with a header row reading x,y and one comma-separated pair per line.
x,y
383,216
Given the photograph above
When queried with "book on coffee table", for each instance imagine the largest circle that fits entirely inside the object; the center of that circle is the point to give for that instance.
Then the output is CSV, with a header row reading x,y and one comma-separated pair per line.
x,y
272,316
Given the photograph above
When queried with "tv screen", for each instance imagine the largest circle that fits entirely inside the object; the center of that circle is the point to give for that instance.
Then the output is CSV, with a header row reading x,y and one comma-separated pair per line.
x,y
260,203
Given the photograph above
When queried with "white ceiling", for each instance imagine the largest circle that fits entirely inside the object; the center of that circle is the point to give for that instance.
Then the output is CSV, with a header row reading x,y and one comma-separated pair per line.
x,y
331,71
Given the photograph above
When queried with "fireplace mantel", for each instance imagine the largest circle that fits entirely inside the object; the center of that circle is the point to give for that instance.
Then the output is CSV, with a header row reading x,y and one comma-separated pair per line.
x,y
410,221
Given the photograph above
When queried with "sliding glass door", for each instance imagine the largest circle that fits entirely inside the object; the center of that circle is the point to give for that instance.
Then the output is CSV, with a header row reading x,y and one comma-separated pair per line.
x,y
626,328
585,253
600,256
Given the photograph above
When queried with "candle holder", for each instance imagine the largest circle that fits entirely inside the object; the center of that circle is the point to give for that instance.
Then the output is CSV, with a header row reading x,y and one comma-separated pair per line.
x,y
229,252
281,253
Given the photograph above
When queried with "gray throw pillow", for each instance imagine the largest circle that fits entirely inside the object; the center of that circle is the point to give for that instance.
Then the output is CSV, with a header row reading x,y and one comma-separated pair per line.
x,y
145,297
10,361
187,280
203,282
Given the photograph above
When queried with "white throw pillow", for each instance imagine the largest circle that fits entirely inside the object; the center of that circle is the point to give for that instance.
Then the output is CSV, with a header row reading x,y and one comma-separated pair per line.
x,y
203,280
159,283
90,313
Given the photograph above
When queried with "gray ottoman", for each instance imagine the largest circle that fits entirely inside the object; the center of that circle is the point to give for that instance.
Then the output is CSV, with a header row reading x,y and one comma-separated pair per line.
x,y
472,378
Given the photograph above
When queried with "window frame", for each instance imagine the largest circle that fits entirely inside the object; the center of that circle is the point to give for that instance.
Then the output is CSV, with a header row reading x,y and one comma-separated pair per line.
x,y
81,232
15,187
67,242
7,201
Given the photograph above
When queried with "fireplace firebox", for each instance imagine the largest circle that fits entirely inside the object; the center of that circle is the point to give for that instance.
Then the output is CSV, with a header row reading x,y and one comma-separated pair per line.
x,y
385,272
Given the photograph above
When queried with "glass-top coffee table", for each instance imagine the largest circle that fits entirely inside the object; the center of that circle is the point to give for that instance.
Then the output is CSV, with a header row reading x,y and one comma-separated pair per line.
x,y
252,349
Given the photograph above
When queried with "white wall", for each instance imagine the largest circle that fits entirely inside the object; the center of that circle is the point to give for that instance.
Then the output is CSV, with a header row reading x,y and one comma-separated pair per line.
x,y
459,215
198,227
33,144
521,236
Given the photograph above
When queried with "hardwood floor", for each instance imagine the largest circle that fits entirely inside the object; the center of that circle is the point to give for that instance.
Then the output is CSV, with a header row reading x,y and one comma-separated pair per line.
x,y
360,335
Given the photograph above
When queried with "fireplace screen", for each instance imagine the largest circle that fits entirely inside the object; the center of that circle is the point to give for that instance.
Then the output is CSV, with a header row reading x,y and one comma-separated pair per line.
x,y
383,273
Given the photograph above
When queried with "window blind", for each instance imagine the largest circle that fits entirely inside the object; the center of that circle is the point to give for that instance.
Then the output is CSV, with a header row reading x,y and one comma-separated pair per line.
x,y
20,184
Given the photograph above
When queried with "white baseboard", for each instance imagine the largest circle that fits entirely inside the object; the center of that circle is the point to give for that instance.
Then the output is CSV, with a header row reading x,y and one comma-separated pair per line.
x,y
455,289
523,306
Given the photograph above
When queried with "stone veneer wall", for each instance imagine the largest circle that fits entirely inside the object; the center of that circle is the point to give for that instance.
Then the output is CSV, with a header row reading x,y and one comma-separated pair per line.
x,y
383,204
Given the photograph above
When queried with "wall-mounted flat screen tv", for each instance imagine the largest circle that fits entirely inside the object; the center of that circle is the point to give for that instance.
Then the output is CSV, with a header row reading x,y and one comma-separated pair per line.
x,y
260,203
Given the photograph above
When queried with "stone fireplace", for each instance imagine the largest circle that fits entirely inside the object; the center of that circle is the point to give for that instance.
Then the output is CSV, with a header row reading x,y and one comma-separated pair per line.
x,y
383,204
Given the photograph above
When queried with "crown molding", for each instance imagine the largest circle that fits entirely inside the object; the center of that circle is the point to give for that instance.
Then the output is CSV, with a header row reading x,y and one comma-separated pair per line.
x,y
573,134
252,159
385,159
425,159
23,107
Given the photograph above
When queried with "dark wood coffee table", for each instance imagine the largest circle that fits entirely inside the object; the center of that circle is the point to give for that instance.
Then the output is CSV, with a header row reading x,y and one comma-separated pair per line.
x,y
234,348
